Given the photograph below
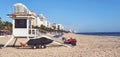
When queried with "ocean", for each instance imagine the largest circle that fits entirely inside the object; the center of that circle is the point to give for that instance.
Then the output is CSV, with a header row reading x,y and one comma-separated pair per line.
x,y
102,33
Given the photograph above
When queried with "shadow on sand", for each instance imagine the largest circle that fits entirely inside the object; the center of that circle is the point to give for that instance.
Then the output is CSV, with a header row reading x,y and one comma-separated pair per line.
x,y
2,45
28,47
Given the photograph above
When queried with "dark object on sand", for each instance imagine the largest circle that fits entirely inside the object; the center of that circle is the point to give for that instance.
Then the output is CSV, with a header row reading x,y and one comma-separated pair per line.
x,y
39,42
71,41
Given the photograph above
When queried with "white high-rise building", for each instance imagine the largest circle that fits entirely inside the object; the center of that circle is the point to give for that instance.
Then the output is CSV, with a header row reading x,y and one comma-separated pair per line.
x,y
57,26
48,24
41,20
60,26
54,26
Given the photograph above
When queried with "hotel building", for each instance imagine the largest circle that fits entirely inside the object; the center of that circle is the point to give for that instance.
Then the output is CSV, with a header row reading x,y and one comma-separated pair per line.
x,y
60,26
33,22
41,20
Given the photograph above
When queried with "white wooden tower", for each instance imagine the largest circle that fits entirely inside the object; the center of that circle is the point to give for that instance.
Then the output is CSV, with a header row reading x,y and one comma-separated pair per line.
x,y
22,22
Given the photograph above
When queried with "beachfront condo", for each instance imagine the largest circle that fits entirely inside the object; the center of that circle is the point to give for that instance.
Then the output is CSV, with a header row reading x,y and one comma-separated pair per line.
x,y
41,20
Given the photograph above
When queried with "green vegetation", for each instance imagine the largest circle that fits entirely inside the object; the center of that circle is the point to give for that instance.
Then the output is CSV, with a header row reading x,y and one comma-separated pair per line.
x,y
42,28
5,25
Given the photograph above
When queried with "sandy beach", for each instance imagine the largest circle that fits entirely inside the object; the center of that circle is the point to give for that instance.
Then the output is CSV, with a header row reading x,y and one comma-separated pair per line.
x,y
87,46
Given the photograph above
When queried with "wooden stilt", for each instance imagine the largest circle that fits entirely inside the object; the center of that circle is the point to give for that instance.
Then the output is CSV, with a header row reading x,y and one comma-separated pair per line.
x,y
15,42
9,41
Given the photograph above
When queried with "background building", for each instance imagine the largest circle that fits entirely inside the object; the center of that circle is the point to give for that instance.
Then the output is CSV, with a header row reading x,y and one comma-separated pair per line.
x,y
60,26
54,26
57,26
41,20
33,22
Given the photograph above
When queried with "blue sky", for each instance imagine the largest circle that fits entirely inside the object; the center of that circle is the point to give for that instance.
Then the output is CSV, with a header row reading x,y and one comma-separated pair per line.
x,y
81,15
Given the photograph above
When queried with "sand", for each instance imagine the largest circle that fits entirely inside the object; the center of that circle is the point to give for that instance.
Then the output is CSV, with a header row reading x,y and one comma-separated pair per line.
x,y
87,46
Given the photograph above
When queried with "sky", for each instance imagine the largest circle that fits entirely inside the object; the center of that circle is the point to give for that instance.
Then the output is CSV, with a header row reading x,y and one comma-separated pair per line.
x,y
80,15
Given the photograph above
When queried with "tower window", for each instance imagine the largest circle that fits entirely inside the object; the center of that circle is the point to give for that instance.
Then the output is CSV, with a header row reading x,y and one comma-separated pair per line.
x,y
20,23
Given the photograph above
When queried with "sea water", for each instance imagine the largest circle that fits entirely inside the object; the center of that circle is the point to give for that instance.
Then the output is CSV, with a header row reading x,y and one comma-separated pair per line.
x,y
102,33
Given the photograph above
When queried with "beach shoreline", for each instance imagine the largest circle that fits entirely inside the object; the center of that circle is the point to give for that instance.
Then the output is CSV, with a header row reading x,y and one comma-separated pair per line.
x,y
87,46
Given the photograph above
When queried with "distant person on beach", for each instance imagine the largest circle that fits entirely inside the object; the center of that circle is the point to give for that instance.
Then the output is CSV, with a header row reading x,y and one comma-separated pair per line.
x,y
63,38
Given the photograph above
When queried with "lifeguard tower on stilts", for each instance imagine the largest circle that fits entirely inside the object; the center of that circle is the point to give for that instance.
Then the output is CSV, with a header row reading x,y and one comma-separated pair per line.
x,y
22,23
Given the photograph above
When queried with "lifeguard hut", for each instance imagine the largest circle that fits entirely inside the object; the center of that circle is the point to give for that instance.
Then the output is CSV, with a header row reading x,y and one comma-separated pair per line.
x,y
22,22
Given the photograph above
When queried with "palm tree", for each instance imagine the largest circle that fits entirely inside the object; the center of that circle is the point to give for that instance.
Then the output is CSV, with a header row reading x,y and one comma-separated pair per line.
x,y
0,23
7,26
